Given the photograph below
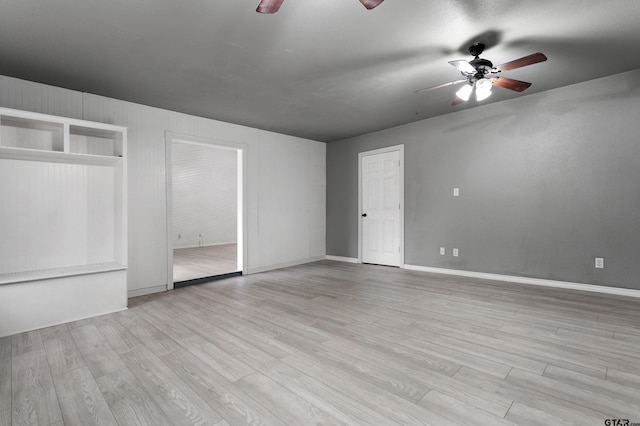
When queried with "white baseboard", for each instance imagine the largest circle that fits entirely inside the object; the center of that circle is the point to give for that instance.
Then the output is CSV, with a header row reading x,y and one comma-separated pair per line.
x,y
2,333
284,265
618,291
147,290
342,259
204,245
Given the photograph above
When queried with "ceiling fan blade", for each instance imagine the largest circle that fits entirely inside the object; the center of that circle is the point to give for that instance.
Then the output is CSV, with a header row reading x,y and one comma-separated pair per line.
x,y
463,66
457,101
370,4
510,83
269,6
451,83
522,62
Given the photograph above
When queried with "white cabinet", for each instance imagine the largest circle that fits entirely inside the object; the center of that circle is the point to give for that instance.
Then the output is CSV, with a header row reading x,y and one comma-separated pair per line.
x,y
63,220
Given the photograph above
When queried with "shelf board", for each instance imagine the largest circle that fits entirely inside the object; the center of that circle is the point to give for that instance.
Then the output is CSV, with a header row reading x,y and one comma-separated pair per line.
x,y
15,114
57,157
45,274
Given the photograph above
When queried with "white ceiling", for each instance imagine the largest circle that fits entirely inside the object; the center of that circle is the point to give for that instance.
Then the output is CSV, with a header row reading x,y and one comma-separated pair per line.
x,y
319,69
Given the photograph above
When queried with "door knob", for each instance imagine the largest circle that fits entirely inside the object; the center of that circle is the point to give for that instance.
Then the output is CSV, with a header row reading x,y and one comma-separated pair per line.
x,y
364,215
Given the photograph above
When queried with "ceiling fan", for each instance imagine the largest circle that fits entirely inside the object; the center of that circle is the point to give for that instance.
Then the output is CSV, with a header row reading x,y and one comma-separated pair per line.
x,y
480,75
272,6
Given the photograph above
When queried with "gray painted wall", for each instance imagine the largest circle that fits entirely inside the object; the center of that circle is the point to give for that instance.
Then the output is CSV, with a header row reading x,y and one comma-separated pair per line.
x,y
547,183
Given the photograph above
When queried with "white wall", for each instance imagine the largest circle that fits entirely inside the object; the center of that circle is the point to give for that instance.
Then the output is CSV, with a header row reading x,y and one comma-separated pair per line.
x,y
205,187
285,183
293,227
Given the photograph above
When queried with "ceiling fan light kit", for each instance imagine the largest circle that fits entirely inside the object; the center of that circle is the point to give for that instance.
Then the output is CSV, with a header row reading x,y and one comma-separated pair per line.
x,y
483,89
465,92
480,75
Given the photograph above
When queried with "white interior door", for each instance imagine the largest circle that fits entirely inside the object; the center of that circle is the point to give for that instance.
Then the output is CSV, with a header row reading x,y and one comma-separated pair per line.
x,y
380,213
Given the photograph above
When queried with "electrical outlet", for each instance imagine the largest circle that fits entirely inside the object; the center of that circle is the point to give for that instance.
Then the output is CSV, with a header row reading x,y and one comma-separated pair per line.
x,y
442,251
455,252
600,262
456,192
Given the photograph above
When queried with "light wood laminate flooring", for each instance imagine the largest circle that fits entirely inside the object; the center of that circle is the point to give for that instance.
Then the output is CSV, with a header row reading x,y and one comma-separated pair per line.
x,y
199,262
336,344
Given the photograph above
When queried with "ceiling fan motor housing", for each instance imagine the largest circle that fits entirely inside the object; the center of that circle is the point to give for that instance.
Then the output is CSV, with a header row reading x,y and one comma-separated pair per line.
x,y
476,49
482,66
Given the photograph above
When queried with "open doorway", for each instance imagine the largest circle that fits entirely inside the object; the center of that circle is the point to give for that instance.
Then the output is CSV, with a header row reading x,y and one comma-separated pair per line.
x,y
205,210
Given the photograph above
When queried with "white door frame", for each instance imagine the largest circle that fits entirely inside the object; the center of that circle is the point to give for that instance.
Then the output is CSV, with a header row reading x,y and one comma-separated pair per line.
x,y
243,217
361,155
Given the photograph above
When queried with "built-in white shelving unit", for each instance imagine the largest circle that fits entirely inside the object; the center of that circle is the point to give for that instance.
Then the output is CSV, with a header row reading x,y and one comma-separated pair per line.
x,y
63,219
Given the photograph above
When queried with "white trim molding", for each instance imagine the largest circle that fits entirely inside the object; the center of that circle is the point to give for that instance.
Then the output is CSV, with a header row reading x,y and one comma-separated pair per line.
x,y
618,291
361,155
297,262
243,198
147,290
342,259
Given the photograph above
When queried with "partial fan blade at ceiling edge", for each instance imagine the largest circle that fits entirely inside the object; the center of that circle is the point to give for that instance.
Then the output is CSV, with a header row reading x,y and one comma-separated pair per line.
x,y
522,62
510,83
438,86
370,4
272,6
463,66
269,6
457,101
